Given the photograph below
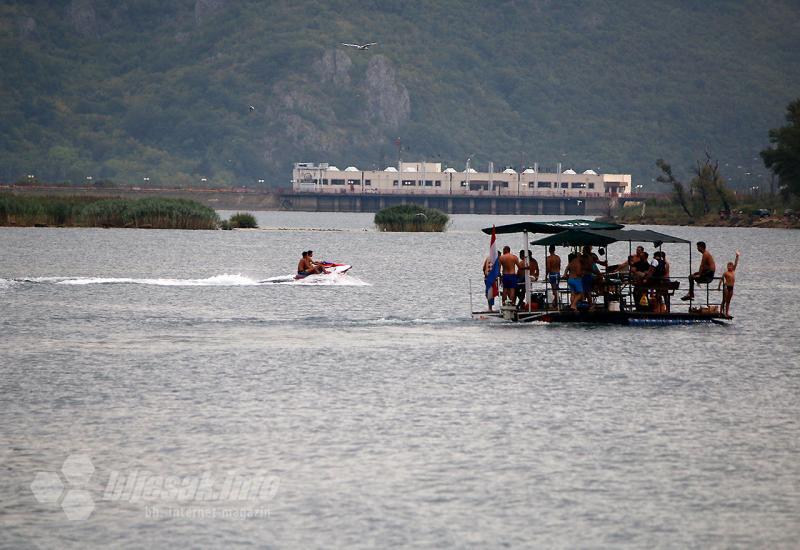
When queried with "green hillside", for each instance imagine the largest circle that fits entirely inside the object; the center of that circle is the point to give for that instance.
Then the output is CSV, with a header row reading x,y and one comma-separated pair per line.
x,y
125,90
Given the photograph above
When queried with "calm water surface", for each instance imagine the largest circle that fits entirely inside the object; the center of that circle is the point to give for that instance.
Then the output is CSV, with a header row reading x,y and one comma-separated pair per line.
x,y
380,412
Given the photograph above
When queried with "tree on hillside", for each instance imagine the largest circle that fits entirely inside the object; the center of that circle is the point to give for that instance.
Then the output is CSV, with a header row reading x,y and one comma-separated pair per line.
x,y
677,187
702,185
708,181
783,158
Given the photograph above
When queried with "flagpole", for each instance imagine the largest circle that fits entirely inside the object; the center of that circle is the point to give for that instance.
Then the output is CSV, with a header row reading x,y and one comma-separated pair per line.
x,y
527,272
494,271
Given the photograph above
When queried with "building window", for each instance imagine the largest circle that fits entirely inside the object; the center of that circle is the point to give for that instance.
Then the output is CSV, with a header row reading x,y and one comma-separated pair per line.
x,y
578,185
543,184
437,183
409,183
394,183
353,182
337,182
463,184
367,183
564,185
325,181
591,186
428,183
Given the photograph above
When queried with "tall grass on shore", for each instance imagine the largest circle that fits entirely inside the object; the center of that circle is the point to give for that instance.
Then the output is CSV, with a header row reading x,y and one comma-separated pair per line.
x,y
411,217
157,213
32,210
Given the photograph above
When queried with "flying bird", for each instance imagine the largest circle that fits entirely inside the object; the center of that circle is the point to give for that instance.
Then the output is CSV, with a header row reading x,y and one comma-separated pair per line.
x,y
360,46
252,108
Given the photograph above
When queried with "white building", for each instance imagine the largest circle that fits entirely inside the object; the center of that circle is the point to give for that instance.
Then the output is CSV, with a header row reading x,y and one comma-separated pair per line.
x,y
429,178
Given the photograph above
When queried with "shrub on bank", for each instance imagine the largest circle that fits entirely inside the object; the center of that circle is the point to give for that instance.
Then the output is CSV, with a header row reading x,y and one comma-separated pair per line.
x,y
411,217
243,220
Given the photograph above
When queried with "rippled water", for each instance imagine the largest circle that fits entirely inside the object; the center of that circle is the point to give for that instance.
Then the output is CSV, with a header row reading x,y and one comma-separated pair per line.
x,y
379,410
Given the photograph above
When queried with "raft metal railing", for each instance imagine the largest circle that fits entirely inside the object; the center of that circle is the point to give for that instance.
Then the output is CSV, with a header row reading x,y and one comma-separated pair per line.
x,y
629,294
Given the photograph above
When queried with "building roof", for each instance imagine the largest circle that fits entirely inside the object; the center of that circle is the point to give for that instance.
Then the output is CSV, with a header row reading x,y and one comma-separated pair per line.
x,y
449,170
569,171
509,171
333,169
351,169
529,171
390,169
471,171
590,172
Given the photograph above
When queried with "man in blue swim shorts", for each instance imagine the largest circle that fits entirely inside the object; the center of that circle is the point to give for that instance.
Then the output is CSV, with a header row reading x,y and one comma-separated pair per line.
x,y
552,265
574,280
509,263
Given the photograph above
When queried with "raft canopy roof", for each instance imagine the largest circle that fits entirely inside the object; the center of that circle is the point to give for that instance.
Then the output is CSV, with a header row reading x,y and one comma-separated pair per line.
x,y
551,227
604,237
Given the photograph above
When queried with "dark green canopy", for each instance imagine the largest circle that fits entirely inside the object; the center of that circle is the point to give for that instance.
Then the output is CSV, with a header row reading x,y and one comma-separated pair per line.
x,y
604,237
640,236
550,227
574,237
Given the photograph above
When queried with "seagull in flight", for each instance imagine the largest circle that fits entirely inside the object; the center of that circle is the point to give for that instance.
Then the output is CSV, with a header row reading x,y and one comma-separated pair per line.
x,y
252,108
360,46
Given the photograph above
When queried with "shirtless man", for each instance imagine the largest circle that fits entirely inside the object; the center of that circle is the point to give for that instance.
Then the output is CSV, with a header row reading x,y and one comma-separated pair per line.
x,y
705,273
728,278
552,264
533,266
509,263
640,266
311,266
588,259
302,265
574,275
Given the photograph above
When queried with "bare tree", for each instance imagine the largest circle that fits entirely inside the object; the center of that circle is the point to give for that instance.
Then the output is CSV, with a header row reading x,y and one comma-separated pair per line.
x,y
718,183
701,183
677,187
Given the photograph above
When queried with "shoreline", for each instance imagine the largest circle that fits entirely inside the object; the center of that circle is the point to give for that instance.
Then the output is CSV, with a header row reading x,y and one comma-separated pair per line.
x,y
713,221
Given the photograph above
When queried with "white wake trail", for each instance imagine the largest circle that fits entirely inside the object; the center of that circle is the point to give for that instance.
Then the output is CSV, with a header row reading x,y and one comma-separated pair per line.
x,y
334,279
217,280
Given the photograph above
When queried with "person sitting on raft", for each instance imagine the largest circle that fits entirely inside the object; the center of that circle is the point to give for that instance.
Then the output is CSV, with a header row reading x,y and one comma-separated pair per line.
x,y
704,273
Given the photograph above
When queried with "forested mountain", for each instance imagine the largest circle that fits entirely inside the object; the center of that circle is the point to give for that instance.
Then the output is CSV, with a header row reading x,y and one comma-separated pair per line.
x,y
128,89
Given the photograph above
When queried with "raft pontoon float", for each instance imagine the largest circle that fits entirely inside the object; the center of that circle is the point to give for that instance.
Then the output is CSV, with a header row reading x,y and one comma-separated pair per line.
x,y
619,300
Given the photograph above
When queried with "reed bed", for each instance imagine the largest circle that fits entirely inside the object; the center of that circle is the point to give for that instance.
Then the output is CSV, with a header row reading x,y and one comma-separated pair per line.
x,y
156,213
411,218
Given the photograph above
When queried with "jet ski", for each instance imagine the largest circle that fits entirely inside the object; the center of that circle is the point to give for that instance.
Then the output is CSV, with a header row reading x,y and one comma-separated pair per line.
x,y
328,268
330,271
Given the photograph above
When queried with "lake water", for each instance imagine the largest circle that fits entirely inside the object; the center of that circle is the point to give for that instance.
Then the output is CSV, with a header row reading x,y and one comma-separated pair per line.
x,y
377,413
